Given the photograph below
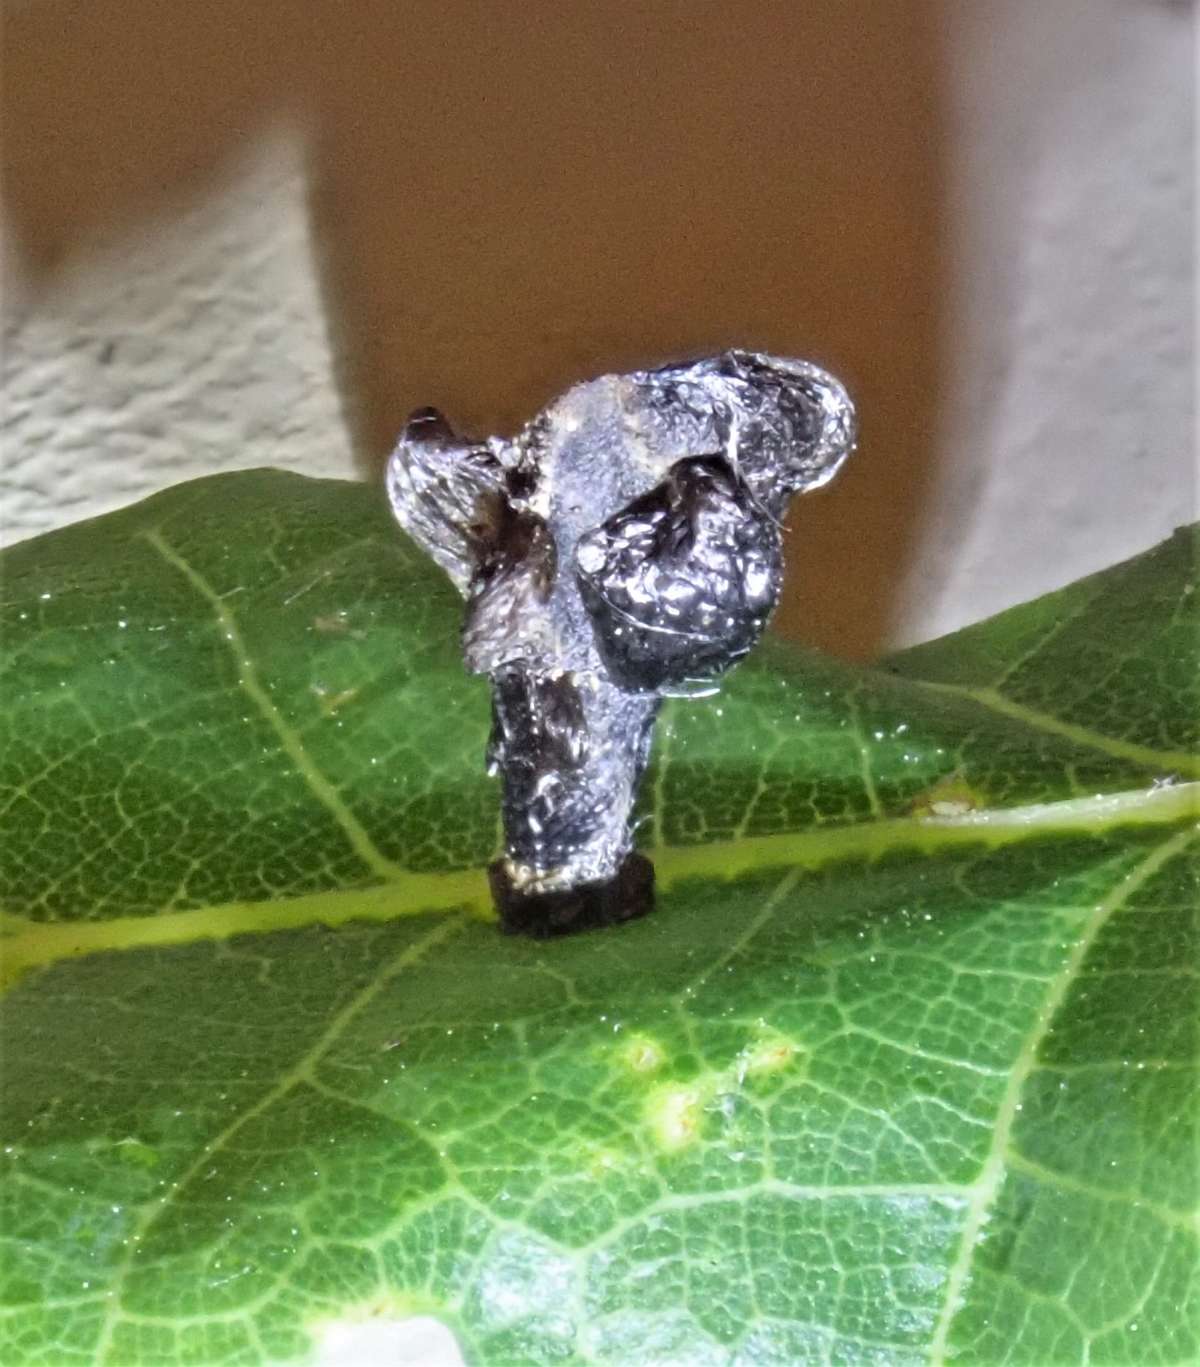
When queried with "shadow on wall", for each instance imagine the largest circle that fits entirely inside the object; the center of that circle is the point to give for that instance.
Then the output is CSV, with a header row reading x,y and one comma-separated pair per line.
x,y
512,199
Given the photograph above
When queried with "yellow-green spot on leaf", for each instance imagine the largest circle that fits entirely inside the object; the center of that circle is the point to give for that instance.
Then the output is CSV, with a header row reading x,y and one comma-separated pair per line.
x,y
674,1115
641,1054
951,795
771,1053
600,1161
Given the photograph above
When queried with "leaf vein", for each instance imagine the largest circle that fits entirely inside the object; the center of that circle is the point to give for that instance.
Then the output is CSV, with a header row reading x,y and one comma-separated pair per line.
x,y
1167,1215
301,1071
991,1176
1163,760
247,675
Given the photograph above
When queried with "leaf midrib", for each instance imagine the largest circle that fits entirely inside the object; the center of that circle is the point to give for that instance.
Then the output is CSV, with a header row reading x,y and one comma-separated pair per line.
x,y
28,945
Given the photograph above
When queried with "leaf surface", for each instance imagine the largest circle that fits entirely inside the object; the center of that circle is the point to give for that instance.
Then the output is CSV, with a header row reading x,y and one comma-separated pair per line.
x,y
902,1068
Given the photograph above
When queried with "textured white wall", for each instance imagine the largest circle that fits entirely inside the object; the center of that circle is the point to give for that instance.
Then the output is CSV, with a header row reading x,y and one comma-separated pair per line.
x,y
1066,390
171,350
1069,375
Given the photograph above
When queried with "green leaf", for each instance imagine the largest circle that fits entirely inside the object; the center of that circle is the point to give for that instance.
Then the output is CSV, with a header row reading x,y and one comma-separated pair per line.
x,y
901,1069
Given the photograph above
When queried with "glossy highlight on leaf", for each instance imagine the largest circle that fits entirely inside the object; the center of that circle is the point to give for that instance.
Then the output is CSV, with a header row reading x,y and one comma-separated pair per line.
x,y
902,1068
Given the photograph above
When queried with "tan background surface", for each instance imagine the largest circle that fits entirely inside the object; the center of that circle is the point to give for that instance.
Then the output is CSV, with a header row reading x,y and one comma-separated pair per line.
x,y
975,211
514,197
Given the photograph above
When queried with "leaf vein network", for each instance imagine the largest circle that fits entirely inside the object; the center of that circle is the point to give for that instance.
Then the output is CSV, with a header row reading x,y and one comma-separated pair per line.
x,y
996,1163
250,683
